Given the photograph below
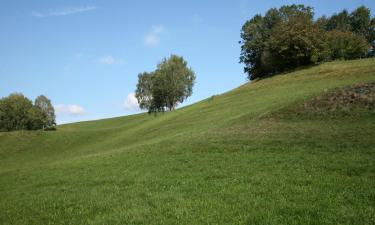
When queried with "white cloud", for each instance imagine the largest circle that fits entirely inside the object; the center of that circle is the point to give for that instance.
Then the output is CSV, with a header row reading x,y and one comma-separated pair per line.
x,y
63,12
72,110
131,102
153,38
109,60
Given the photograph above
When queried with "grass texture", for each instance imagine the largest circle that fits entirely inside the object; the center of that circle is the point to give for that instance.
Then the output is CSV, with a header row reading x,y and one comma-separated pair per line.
x,y
229,159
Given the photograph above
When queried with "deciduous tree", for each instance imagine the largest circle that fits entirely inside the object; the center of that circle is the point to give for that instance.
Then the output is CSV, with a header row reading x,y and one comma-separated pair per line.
x,y
47,111
163,89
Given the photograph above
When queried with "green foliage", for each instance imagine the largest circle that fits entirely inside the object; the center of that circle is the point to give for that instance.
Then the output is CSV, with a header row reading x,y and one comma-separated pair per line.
x,y
143,92
283,39
18,113
340,21
346,45
171,83
359,22
288,37
219,161
296,42
176,80
47,111
14,112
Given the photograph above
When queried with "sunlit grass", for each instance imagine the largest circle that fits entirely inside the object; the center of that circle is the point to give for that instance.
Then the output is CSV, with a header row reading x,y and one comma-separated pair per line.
x,y
224,160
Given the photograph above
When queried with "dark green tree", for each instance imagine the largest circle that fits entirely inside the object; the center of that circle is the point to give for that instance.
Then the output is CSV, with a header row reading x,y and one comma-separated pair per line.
x,y
283,39
360,23
14,112
253,47
340,21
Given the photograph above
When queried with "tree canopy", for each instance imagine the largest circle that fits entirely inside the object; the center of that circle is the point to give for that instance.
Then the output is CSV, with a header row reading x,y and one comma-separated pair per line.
x,y
289,37
163,89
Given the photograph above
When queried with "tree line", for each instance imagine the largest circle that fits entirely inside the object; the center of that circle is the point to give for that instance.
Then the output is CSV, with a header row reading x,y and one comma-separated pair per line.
x,y
163,89
19,113
289,37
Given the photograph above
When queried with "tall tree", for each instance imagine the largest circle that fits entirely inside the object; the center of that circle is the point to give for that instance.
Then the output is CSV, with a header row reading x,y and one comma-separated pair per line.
x,y
360,22
47,110
340,21
254,35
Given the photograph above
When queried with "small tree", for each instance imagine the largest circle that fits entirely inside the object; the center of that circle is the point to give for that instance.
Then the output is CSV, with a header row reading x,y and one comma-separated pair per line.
x,y
47,111
175,80
143,93
170,84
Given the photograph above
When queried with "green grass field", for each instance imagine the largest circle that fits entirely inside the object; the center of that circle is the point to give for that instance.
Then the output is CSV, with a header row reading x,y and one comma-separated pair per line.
x,y
229,159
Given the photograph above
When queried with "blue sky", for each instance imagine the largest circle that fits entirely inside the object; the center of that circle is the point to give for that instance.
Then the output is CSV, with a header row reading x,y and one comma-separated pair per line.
x,y
86,55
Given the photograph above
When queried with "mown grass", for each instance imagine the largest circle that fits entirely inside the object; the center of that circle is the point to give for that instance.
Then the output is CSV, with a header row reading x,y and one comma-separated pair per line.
x,y
224,160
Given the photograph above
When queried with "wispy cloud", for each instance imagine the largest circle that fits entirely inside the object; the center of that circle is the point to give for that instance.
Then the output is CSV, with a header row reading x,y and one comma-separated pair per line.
x,y
109,60
157,29
153,38
72,110
63,12
131,102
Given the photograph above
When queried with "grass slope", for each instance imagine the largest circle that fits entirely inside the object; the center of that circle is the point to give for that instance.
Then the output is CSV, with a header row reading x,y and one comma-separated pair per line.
x,y
224,160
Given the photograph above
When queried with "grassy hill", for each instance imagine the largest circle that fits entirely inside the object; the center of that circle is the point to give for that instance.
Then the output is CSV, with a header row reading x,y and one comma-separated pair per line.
x,y
230,159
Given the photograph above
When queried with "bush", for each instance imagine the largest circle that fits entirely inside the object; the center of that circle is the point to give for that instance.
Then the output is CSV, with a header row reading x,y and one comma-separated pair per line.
x,y
346,45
